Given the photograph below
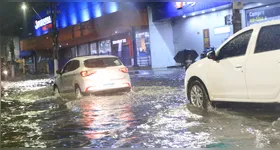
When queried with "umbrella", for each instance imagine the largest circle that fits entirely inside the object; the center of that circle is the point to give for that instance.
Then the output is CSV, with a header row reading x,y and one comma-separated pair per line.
x,y
182,56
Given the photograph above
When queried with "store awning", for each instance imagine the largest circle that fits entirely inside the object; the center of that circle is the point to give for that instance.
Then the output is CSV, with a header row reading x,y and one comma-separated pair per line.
x,y
26,53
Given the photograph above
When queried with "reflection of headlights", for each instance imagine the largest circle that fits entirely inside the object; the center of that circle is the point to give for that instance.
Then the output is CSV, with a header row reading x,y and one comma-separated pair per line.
x,y
5,72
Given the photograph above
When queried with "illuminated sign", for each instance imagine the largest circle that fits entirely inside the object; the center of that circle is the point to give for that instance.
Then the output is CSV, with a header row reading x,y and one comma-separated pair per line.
x,y
119,41
43,22
222,30
180,5
262,14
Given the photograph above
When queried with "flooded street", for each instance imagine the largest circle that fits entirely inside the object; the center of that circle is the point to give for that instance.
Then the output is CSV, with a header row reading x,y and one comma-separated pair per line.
x,y
155,114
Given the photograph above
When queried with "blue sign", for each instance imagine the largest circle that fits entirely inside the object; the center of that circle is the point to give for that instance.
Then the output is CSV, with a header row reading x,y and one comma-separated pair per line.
x,y
72,13
262,14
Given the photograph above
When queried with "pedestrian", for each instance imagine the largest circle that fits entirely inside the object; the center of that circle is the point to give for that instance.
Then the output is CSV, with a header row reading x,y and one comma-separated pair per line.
x,y
188,62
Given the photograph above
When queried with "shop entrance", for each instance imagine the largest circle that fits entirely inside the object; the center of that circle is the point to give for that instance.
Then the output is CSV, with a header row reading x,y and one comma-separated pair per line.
x,y
123,53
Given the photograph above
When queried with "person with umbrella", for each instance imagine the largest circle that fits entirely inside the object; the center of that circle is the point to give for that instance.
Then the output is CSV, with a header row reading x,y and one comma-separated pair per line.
x,y
188,62
186,57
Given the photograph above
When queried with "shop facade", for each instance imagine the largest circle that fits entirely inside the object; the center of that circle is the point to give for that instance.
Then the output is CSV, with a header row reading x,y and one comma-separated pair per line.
x,y
198,26
109,29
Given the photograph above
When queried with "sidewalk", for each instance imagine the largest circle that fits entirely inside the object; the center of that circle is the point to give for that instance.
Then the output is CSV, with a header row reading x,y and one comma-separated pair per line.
x,y
138,70
131,71
24,77
145,71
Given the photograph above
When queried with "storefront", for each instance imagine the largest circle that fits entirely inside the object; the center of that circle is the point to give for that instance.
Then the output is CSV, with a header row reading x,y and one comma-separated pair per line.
x,y
120,45
143,47
191,25
29,58
104,32
198,26
43,59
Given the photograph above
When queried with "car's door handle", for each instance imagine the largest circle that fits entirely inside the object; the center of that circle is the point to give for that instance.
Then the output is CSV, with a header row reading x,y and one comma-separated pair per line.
x,y
238,66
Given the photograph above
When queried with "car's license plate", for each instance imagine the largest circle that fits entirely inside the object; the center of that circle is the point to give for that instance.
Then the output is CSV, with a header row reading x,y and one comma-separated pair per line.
x,y
109,84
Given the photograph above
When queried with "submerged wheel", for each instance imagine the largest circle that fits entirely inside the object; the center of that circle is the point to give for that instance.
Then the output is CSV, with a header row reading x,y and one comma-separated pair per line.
x,y
78,92
198,96
56,91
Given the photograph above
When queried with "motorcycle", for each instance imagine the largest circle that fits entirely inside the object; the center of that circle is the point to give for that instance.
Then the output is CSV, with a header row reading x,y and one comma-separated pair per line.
x,y
204,53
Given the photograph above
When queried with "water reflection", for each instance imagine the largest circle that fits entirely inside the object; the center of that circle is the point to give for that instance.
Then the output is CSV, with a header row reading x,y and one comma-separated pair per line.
x,y
104,116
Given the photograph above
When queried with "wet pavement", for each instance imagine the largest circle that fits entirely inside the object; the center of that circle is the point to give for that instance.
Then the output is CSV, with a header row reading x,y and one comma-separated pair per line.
x,y
155,114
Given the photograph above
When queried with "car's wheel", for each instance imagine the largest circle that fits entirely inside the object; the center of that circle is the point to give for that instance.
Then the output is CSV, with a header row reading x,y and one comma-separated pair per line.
x,y
78,92
128,90
198,96
56,91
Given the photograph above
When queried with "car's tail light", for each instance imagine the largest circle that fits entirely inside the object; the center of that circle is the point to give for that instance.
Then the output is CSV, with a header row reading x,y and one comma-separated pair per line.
x,y
128,84
124,70
87,73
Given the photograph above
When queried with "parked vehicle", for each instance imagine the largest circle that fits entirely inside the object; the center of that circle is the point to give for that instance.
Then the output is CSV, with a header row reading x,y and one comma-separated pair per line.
x,y
91,74
245,68
204,53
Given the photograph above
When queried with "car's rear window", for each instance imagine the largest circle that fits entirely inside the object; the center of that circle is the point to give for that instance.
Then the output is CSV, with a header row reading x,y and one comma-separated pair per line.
x,y
102,62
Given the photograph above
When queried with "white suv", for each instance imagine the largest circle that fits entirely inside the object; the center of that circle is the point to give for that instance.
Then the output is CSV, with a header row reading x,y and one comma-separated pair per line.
x,y
245,68
92,74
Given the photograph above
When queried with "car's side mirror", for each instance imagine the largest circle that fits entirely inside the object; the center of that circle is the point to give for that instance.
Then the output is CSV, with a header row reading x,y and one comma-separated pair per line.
x,y
59,71
211,55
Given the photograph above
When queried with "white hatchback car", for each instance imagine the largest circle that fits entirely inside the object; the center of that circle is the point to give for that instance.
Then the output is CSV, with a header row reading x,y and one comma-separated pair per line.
x,y
245,68
91,74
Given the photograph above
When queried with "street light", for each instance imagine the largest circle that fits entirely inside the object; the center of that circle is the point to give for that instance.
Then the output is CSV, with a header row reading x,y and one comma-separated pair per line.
x,y
23,6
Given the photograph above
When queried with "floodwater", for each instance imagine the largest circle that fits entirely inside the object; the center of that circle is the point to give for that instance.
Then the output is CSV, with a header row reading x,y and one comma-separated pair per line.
x,y
155,114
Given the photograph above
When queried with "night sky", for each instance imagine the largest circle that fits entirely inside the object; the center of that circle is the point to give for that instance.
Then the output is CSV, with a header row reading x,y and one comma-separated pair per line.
x,y
13,19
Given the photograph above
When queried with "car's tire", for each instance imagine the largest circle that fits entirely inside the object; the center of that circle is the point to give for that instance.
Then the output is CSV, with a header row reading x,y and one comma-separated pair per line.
x,y
128,90
56,91
78,92
198,95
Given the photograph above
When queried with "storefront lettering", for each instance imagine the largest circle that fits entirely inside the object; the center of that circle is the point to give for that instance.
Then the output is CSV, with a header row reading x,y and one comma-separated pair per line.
x,y
119,41
257,19
42,22
180,5
256,14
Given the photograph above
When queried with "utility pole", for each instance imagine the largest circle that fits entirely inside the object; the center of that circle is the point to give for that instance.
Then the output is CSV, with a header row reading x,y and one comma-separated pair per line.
x,y
54,35
134,47
236,16
0,77
0,65
12,52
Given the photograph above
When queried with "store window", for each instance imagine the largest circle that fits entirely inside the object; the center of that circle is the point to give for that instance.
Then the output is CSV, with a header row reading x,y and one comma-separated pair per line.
x,y
74,51
105,47
83,50
143,43
93,49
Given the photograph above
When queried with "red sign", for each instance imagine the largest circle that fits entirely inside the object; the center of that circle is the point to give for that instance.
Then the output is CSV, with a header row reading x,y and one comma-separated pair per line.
x,y
179,5
46,27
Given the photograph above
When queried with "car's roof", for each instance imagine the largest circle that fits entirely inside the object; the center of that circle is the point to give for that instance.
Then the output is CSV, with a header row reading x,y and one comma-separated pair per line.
x,y
82,58
259,25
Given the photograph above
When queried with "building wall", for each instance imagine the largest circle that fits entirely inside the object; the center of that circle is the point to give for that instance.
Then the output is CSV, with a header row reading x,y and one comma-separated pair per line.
x,y
5,51
161,43
17,47
188,32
